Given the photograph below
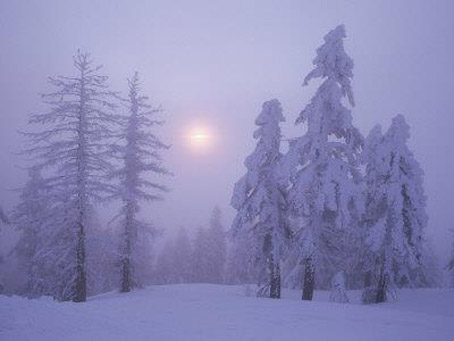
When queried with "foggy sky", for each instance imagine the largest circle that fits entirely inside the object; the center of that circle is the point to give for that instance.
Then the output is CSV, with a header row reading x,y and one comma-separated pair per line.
x,y
217,61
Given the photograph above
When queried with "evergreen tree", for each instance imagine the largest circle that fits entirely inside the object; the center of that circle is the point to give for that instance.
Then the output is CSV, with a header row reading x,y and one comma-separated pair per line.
x,y
165,272
140,155
217,248
29,218
240,260
259,199
181,258
200,261
395,212
102,257
323,168
338,289
71,145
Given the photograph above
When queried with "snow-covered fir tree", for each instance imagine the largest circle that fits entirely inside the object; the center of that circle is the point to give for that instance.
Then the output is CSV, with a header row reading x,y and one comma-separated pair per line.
x,y
395,212
259,198
240,260
141,156
175,263
181,258
71,146
217,250
210,251
200,251
29,218
165,272
374,203
324,195
102,257
338,289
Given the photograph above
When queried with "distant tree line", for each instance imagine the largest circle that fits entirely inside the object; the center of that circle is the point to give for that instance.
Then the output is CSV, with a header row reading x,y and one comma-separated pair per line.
x,y
201,259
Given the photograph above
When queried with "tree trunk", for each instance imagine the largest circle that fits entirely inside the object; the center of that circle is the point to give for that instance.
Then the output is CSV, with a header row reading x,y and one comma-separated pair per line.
x,y
126,266
125,275
126,271
367,279
369,294
275,281
80,294
382,287
309,279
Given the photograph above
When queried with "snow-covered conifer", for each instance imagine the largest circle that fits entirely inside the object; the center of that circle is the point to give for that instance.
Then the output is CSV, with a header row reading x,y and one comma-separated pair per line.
x,y
323,168
141,154
395,215
165,272
71,146
217,248
259,199
240,260
200,252
102,257
29,218
338,289
181,258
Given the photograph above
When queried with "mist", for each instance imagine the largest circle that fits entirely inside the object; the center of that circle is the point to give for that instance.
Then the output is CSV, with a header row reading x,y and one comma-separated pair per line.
x,y
217,62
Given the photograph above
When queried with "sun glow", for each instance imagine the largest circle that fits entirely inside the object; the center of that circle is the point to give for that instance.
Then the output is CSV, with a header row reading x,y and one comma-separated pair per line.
x,y
200,138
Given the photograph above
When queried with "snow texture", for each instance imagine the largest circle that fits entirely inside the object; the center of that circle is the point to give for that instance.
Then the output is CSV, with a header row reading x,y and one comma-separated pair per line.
x,y
215,312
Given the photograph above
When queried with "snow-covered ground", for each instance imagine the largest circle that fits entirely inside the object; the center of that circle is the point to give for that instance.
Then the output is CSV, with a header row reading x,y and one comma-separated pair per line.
x,y
216,312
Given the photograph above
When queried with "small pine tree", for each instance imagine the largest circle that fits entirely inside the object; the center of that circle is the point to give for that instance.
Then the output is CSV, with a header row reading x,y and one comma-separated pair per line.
x,y
259,198
200,262
29,219
181,258
102,257
240,260
217,248
338,289
165,271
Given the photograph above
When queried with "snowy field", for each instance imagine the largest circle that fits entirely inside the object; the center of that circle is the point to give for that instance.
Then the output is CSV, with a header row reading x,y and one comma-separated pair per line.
x,y
216,312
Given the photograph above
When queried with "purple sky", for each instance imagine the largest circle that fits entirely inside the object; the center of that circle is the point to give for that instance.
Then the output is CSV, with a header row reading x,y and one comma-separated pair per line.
x,y
217,61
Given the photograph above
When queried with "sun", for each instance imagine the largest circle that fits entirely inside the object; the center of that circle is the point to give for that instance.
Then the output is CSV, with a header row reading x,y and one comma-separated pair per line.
x,y
200,138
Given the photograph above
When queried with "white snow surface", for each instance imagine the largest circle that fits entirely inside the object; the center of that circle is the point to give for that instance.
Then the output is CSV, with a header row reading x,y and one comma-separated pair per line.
x,y
220,312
